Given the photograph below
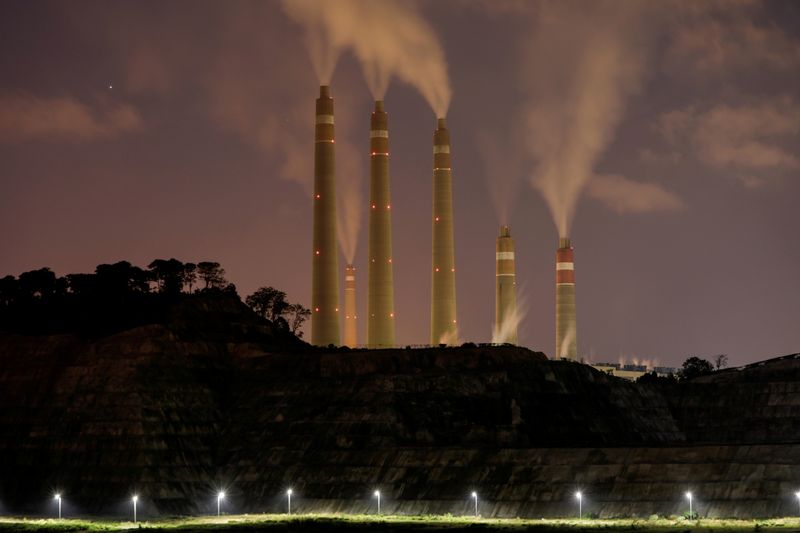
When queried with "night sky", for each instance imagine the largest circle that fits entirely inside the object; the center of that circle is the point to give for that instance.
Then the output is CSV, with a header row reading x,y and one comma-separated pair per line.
x,y
135,130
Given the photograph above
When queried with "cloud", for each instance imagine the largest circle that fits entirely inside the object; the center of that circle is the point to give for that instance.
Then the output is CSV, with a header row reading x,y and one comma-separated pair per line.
x,y
26,118
743,138
623,195
725,38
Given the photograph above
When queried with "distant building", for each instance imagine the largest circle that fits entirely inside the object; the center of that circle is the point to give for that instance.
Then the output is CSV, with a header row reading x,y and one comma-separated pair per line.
x,y
632,372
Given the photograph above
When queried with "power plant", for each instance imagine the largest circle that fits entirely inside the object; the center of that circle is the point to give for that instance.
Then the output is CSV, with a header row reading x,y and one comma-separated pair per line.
x,y
381,327
380,298
350,312
444,328
505,306
325,265
566,328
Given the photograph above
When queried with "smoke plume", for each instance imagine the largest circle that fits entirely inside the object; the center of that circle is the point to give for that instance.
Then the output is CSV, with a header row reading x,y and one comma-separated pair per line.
x,y
390,38
501,334
583,62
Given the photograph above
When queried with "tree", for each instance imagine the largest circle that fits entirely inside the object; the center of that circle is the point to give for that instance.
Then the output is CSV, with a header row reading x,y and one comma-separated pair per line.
x,y
121,278
268,302
39,284
168,274
189,275
212,274
297,316
8,291
720,361
694,367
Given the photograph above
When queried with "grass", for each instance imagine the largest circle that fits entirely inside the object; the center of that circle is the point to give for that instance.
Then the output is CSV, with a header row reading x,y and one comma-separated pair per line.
x,y
400,524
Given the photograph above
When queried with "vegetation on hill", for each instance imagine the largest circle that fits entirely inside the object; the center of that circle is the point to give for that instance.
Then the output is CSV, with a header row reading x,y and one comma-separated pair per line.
x,y
121,296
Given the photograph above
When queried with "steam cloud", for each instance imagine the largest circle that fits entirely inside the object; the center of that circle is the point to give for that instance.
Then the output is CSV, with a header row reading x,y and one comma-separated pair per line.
x,y
583,62
390,38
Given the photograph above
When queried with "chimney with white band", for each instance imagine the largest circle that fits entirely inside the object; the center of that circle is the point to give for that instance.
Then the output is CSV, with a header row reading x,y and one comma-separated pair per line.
x,y
325,259
380,297
444,329
350,313
566,329
505,308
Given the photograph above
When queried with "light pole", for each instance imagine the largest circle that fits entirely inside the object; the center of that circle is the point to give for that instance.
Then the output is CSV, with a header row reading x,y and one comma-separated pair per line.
x,y
58,497
797,494
475,497
134,500
579,496
288,501
689,497
220,497
378,495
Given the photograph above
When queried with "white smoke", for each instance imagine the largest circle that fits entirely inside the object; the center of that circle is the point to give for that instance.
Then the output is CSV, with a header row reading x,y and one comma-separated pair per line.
x,y
389,37
502,333
583,62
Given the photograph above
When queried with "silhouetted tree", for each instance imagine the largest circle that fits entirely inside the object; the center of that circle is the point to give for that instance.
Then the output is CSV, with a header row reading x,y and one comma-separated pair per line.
x,y
40,284
297,315
168,274
9,287
189,275
120,279
653,378
720,361
694,367
212,274
268,302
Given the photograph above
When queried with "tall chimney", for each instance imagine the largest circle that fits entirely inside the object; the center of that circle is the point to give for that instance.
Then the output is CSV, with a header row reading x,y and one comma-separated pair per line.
x,y
380,300
350,313
566,328
505,306
444,329
325,266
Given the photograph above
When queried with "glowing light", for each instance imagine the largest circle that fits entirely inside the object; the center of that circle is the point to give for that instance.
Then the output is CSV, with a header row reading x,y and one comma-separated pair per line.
x,y
475,497
689,497
377,494
437,269
134,500
317,252
57,496
220,497
288,501
316,309
318,196
579,496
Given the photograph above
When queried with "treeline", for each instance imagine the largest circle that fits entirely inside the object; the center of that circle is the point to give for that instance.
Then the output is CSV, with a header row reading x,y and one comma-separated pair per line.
x,y
121,295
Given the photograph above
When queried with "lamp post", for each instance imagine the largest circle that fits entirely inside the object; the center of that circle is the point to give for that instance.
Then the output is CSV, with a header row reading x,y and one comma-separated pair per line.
x,y
689,497
220,497
475,497
378,495
797,494
58,498
134,500
288,501
579,497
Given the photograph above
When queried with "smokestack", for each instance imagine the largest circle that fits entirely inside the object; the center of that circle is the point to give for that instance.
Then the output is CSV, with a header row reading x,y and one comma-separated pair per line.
x,y
566,328
325,266
505,308
350,313
380,305
444,328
